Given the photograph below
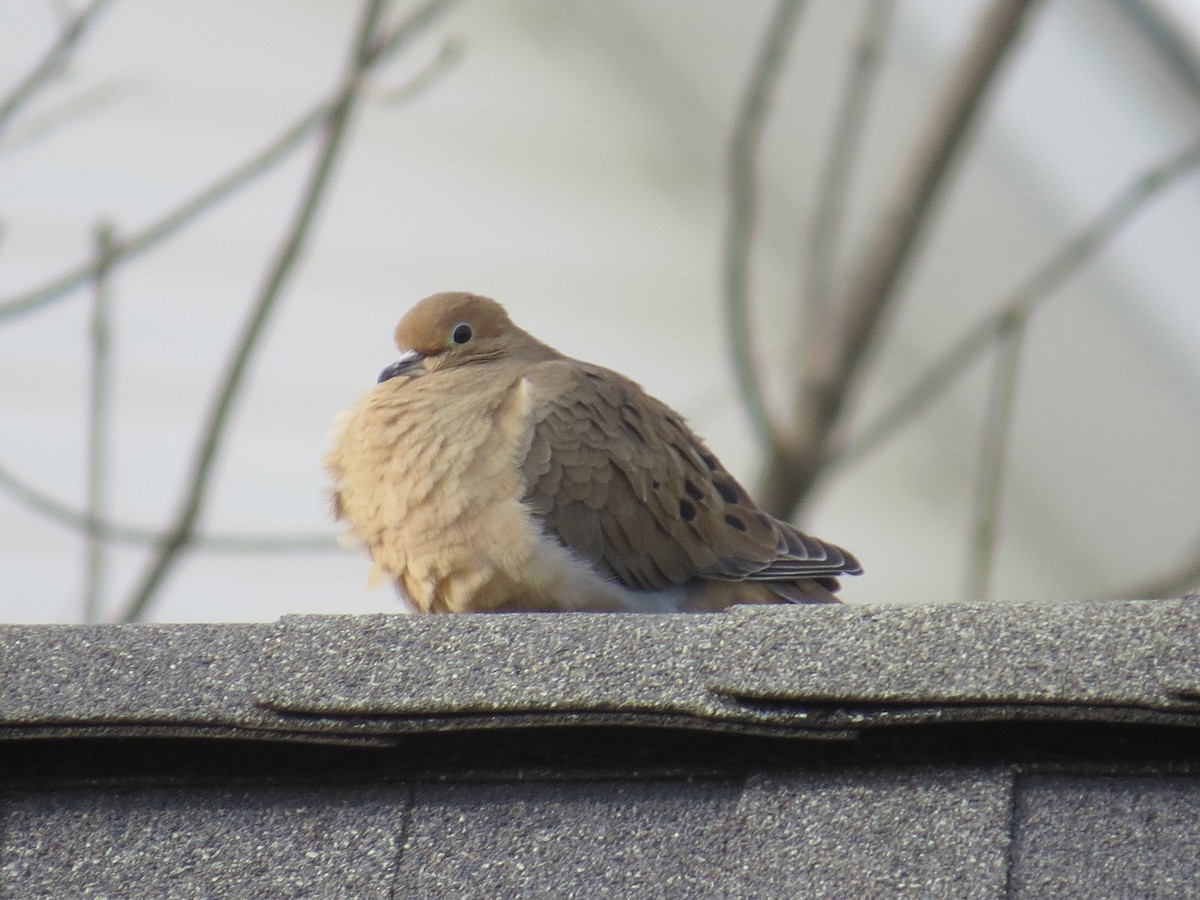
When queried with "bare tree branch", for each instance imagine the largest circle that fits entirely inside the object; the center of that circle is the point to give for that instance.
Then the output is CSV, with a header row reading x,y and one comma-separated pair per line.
x,y
743,208
833,366
52,60
839,166
283,145
993,453
57,511
99,420
230,384
1041,285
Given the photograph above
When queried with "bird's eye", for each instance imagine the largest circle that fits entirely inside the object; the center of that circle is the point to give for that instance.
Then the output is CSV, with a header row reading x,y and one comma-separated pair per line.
x,y
461,334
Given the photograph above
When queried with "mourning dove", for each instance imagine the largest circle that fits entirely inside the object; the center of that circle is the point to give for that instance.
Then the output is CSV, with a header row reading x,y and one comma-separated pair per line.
x,y
488,472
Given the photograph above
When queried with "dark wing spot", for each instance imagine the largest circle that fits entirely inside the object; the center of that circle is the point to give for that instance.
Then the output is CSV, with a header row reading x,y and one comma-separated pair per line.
x,y
692,491
593,376
629,410
655,485
687,510
727,491
710,461
735,522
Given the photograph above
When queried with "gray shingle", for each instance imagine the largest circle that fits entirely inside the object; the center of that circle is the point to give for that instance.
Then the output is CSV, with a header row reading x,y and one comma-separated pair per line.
x,y
1138,653
583,839
202,842
879,833
1107,837
501,663
140,673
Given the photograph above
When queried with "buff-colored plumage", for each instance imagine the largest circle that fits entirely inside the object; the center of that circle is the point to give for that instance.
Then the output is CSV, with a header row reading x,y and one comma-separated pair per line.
x,y
487,472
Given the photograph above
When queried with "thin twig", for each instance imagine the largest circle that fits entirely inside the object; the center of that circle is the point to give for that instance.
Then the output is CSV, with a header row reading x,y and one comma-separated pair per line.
x,y
743,208
99,420
39,124
832,369
288,141
840,160
229,388
57,511
52,60
993,453
1038,287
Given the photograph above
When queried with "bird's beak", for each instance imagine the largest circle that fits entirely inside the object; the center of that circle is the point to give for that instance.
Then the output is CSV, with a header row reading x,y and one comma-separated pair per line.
x,y
405,365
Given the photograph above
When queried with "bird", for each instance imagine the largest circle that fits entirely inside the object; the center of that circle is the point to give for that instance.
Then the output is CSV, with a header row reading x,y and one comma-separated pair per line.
x,y
487,472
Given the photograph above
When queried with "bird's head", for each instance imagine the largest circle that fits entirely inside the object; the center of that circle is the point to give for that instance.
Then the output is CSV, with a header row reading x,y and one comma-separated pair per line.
x,y
452,329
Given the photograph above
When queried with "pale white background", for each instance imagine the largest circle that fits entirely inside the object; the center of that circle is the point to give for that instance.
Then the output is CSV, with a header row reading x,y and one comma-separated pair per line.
x,y
570,165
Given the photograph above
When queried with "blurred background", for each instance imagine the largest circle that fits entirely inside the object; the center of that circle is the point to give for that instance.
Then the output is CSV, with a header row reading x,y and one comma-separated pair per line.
x,y
580,161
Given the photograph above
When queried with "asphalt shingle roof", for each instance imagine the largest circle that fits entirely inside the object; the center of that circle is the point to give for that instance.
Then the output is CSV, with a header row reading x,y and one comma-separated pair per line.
x,y
986,751
781,669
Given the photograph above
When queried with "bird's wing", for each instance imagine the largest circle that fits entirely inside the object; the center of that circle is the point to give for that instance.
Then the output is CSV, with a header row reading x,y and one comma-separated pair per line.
x,y
622,481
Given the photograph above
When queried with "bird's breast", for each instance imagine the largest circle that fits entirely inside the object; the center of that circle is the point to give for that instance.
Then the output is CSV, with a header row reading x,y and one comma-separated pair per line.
x,y
426,475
